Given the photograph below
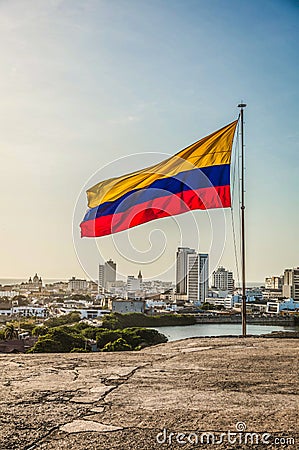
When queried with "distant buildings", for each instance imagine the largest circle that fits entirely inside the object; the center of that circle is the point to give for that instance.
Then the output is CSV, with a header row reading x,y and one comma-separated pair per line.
x,y
290,288
25,311
107,275
198,277
182,269
77,285
110,271
223,280
273,287
36,283
127,306
280,306
284,286
192,275
133,284
272,283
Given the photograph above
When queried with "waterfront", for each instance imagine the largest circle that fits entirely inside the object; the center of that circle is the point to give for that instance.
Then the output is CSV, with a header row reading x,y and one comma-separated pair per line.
x,y
175,333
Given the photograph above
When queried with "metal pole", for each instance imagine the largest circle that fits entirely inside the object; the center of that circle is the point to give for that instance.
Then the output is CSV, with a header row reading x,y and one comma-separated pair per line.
x,y
243,105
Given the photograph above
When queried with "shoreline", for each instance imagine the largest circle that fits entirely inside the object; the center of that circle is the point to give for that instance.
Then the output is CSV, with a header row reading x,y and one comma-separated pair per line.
x,y
283,321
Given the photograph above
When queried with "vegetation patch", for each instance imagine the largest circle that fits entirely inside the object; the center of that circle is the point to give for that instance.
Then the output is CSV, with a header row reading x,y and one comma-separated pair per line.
x,y
115,321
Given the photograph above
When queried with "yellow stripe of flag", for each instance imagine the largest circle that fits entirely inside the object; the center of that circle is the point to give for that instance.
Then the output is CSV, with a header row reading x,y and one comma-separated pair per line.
x,y
211,150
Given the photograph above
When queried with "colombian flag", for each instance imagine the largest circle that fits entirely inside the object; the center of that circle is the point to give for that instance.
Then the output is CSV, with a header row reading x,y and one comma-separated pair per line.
x,y
197,177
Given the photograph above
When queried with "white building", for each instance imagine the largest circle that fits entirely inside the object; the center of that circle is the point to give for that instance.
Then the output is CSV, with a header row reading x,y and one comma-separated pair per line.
x,y
127,306
133,284
9,294
223,280
107,275
77,285
273,282
25,311
275,307
182,269
290,287
86,313
198,277
227,302
101,281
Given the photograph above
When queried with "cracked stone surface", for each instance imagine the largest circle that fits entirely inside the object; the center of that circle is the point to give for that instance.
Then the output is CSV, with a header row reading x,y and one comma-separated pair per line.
x,y
123,400
78,426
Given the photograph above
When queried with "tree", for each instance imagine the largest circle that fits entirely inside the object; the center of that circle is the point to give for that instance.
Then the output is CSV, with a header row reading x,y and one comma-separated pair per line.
x,y
10,332
64,319
107,336
40,330
58,340
120,345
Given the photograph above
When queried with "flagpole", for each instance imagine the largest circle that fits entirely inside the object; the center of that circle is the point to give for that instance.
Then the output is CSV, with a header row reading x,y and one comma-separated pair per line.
x,y
243,105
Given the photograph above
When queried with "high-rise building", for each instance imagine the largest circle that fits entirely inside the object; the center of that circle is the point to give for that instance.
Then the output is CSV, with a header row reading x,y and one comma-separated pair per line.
x,y
182,269
198,277
290,288
223,280
107,274
110,271
101,282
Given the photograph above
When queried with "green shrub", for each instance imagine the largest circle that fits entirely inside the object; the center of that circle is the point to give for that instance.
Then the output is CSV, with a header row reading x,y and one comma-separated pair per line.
x,y
57,340
120,345
107,336
115,321
40,330
65,319
136,337
90,332
44,345
147,336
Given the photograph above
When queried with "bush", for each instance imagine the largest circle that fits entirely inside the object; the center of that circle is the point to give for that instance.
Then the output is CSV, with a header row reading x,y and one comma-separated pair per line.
x,y
111,321
107,336
147,336
57,341
65,319
79,326
90,332
117,321
120,345
44,345
40,330
136,338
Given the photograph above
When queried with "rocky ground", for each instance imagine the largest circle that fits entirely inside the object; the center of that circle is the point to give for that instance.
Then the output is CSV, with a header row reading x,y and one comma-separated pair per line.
x,y
135,400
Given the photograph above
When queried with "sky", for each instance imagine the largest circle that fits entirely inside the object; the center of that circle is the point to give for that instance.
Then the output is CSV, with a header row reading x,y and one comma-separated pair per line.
x,y
94,89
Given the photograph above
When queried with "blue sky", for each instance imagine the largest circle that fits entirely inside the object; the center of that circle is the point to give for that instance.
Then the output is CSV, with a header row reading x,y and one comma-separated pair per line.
x,y
85,83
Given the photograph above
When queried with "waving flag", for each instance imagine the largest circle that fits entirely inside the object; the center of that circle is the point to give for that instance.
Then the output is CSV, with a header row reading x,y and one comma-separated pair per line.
x,y
197,177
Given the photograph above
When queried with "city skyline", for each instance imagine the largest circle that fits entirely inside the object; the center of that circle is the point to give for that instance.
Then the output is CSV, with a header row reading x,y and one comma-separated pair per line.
x,y
84,85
